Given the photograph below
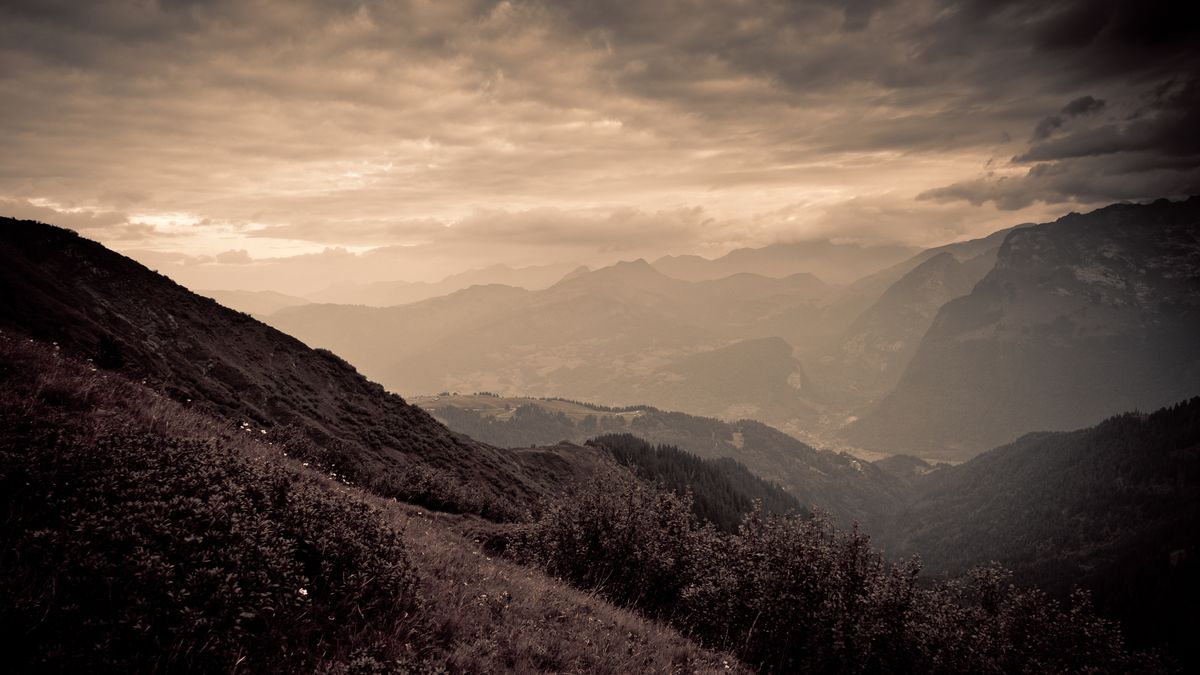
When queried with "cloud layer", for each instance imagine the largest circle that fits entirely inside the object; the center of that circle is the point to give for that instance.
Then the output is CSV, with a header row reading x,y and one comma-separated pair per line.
x,y
467,130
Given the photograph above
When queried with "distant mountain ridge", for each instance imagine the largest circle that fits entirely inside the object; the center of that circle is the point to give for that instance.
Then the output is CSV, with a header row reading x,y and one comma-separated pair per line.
x,y
614,334
257,303
390,293
1084,317
849,490
834,263
869,358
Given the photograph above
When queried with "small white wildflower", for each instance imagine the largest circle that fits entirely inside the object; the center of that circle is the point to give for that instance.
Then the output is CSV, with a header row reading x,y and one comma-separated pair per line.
x,y
303,592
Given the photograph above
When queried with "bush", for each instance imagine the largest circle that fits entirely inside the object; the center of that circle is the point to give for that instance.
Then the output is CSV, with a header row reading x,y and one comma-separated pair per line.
x,y
127,551
791,593
630,542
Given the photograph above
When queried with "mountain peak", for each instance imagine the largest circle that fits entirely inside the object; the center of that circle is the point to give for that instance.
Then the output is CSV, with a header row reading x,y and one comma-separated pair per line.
x,y
625,272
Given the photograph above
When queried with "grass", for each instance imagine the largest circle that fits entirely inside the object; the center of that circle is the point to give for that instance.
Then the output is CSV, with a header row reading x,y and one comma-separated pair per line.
x,y
495,615
148,486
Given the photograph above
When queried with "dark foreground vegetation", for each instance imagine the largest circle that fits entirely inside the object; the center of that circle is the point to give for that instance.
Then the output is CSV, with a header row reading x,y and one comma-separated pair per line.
x,y
792,593
141,536
137,535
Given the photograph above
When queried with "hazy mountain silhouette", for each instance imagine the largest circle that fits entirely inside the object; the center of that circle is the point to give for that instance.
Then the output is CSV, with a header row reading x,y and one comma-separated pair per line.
x,y
389,293
1080,318
620,333
834,263
869,358
258,303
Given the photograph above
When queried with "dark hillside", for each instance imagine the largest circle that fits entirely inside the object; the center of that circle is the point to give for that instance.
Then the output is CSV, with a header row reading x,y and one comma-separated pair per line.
x,y
848,489
138,534
1114,508
723,491
94,303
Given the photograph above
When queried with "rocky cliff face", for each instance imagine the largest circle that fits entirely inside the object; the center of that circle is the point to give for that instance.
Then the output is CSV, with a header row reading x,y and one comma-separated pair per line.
x,y
870,357
1079,319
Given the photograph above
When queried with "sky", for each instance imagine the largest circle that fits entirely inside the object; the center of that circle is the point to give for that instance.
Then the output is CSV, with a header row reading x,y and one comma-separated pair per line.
x,y
291,143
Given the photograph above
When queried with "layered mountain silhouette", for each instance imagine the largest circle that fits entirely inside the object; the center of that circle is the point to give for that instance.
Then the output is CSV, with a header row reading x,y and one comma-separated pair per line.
x,y
620,333
1105,301
389,293
1081,318
257,303
869,358
834,263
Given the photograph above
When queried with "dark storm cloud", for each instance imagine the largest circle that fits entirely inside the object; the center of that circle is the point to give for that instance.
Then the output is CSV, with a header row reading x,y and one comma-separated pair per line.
x,y
275,127
1080,106
1150,150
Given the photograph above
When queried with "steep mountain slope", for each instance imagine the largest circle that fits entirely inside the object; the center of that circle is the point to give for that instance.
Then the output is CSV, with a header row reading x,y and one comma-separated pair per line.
x,y
1114,508
846,488
95,303
872,354
1080,318
836,263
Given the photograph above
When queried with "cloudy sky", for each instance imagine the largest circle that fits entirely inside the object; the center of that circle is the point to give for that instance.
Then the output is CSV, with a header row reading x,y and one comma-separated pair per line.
x,y
262,143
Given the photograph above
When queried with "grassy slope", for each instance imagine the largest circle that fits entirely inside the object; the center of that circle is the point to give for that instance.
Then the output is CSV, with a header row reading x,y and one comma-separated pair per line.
x,y
475,613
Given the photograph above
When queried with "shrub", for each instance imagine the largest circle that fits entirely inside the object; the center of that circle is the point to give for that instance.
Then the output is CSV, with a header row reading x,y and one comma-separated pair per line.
x,y
128,551
630,542
792,593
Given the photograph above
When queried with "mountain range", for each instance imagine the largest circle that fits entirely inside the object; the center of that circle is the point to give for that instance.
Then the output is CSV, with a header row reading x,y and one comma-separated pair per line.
x,y
389,293
942,355
611,335
832,262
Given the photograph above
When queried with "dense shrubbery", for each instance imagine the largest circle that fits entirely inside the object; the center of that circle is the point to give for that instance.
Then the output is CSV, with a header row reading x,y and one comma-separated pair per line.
x,y
139,535
632,543
793,594
123,549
